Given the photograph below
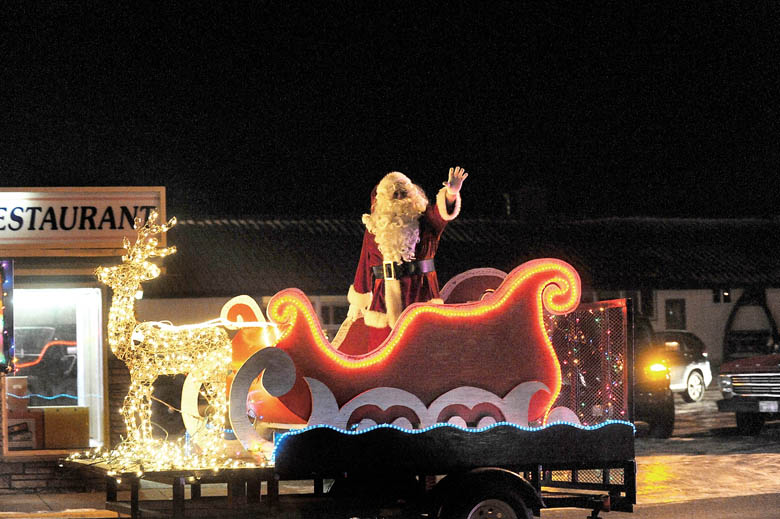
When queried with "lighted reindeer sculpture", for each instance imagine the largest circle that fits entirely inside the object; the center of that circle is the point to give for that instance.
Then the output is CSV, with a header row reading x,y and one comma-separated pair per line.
x,y
151,349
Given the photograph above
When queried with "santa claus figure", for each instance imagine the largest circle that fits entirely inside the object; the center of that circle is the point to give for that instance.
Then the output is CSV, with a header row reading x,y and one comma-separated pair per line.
x,y
396,266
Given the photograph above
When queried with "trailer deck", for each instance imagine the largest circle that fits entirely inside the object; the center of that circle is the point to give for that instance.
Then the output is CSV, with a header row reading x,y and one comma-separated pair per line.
x,y
603,478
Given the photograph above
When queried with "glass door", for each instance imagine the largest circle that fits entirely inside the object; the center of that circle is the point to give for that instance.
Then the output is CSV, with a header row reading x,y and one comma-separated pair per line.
x,y
58,383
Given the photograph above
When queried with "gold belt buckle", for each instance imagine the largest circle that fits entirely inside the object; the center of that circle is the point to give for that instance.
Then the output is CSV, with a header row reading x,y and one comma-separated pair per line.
x,y
388,269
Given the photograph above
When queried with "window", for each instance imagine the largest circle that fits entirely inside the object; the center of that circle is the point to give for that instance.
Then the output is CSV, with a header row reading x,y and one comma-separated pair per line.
x,y
641,299
339,313
332,314
721,295
675,314
55,398
331,310
647,304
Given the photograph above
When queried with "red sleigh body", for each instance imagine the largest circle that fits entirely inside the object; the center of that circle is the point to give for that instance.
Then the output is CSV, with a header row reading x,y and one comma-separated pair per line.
x,y
434,355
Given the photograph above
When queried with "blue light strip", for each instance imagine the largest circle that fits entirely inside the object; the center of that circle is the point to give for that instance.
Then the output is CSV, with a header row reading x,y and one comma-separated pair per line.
x,y
7,317
280,440
61,395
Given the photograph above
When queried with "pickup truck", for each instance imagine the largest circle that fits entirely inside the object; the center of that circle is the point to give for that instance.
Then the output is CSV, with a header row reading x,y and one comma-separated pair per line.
x,y
751,389
749,378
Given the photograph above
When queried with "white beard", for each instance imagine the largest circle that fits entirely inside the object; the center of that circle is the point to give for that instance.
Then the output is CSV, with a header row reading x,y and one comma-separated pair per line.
x,y
396,228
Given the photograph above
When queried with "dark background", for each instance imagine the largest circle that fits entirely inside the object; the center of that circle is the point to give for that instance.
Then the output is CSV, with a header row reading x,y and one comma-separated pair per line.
x,y
625,108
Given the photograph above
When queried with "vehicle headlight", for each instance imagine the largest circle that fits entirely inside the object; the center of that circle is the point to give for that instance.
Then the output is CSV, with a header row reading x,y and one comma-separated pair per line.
x,y
724,381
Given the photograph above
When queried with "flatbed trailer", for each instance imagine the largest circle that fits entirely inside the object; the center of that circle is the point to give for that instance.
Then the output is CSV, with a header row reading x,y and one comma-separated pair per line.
x,y
387,472
501,405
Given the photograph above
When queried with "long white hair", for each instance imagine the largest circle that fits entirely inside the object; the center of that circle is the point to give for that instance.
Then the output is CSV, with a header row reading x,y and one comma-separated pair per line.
x,y
394,219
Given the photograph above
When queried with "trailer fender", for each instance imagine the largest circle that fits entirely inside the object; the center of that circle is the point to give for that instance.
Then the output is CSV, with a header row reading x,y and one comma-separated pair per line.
x,y
448,493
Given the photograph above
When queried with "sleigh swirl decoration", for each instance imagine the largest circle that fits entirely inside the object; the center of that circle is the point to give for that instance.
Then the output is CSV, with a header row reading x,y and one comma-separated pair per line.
x,y
469,364
481,358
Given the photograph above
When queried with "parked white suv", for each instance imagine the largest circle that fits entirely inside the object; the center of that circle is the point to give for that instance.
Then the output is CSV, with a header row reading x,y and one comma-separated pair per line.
x,y
689,367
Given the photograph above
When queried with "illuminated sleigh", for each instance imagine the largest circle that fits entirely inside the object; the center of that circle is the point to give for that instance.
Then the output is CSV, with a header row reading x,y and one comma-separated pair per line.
x,y
471,364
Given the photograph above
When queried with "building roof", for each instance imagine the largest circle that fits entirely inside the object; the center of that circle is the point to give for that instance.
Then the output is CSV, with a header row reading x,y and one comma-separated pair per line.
x,y
259,256
675,253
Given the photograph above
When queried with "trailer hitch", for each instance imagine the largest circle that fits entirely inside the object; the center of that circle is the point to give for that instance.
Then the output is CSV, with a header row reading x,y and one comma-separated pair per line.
x,y
603,503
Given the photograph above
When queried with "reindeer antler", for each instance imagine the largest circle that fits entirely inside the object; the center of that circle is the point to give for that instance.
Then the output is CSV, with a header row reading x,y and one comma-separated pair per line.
x,y
145,245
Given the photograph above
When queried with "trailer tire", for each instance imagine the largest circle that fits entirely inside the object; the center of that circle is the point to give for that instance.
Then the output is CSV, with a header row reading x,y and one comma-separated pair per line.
x,y
749,424
485,496
661,422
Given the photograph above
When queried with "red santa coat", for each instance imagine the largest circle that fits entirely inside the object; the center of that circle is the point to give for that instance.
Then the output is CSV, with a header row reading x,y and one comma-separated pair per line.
x,y
381,306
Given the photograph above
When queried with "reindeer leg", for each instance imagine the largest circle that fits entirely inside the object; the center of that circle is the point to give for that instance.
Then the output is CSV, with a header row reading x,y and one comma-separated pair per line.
x,y
214,391
146,410
203,430
137,410
130,409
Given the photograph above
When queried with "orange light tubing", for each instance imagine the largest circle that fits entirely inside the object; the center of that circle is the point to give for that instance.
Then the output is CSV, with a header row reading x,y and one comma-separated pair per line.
x,y
43,352
558,294
567,283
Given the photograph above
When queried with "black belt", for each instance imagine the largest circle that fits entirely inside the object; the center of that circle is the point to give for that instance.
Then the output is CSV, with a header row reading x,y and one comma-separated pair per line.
x,y
390,270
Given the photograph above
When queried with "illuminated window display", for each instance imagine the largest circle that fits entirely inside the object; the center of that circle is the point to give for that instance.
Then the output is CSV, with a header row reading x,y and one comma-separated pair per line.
x,y
58,375
6,314
55,396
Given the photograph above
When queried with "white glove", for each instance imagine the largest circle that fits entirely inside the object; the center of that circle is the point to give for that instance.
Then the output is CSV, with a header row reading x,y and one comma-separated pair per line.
x,y
358,303
354,312
455,180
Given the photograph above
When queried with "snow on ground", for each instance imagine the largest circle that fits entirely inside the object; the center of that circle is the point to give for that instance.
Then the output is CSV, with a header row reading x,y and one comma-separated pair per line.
x,y
706,458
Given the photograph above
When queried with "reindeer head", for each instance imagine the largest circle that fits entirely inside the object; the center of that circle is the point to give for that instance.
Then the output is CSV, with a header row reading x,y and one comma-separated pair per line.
x,y
126,278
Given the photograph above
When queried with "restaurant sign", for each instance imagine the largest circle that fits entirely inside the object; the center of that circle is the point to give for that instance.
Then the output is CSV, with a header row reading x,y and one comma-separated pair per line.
x,y
73,220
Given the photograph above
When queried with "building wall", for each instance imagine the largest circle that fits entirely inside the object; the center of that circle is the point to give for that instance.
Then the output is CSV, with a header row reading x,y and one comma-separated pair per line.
x,y
118,386
704,317
180,311
42,474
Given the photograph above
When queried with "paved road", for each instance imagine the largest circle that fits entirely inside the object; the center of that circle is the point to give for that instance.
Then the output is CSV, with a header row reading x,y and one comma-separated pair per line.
x,y
765,506
702,467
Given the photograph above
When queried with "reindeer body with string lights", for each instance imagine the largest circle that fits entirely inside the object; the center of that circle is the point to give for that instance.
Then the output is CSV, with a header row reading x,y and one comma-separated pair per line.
x,y
151,349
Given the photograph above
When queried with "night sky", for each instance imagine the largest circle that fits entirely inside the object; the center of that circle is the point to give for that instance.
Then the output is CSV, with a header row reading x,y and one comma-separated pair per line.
x,y
631,109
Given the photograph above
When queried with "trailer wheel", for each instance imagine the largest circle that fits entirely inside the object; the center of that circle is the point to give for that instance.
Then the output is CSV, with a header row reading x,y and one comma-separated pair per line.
x,y
486,500
750,424
662,420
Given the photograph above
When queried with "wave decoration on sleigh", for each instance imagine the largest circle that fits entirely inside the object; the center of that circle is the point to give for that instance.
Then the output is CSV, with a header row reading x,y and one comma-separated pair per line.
x,y
471,364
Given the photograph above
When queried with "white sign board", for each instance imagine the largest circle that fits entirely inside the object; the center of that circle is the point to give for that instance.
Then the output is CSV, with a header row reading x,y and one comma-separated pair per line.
x,y
73,221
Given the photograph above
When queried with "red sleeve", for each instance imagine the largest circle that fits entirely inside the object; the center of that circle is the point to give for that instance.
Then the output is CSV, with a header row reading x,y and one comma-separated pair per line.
x,y
440,213
433,216
363,282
